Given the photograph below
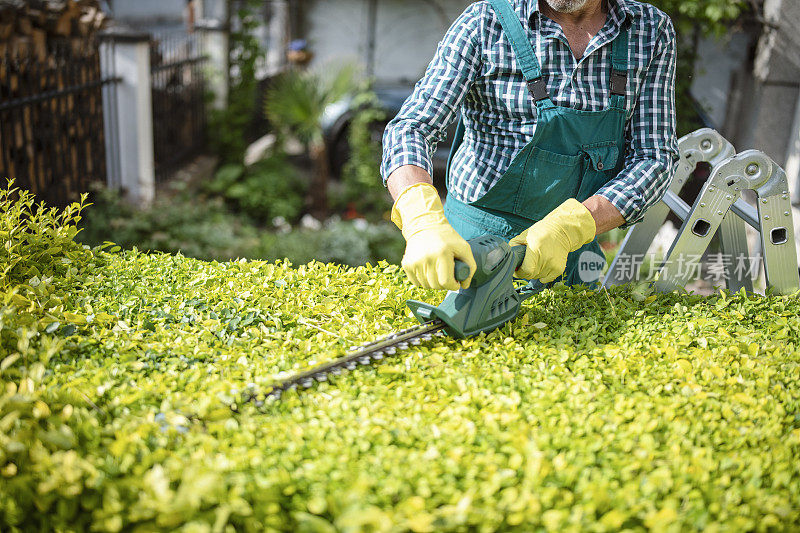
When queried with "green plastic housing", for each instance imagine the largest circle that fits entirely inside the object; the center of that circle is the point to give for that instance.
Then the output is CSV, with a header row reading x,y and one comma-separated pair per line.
x,y
490,301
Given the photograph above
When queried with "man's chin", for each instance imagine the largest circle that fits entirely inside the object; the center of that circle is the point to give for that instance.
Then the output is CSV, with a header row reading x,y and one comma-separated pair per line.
x,y
566,6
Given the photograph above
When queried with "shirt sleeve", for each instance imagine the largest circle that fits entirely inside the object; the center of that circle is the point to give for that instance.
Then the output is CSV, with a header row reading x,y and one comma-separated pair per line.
x,y
652,145
411,137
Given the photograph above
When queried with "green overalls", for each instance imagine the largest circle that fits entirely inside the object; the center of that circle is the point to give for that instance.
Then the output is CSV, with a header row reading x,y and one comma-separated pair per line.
x,y
573,153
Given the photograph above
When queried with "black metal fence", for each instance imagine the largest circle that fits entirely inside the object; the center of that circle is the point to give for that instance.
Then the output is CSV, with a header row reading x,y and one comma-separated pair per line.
x,y
51,120
179,110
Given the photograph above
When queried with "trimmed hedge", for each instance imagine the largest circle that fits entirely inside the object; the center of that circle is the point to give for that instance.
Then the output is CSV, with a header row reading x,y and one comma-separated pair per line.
x,y
123,375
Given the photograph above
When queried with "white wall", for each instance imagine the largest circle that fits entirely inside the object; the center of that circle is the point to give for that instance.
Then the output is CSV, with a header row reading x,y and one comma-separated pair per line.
x,y
148,9
407,32
213,9
275,37
131,136
336,31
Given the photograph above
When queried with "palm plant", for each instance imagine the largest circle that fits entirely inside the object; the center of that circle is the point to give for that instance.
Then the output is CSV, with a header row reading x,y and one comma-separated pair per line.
x,y
295,105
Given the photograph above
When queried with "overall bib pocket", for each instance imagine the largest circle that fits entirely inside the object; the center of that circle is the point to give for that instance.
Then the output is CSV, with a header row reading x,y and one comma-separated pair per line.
x,y
552,179
537,182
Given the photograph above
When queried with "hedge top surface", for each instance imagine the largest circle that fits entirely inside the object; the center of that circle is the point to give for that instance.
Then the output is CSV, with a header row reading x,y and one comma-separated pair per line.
x,y
122,377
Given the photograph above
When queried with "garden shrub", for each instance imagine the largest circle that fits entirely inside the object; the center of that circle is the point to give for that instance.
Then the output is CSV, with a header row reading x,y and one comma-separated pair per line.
x,y
38,242
362,187
124,378
182,222
267,189
348,242
203,228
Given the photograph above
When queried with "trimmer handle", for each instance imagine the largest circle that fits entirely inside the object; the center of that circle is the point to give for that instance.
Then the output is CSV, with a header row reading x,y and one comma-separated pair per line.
x,y
491,299
519,253
462,269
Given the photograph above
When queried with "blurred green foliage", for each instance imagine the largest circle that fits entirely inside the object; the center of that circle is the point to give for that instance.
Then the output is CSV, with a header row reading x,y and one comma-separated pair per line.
x,y
270,188
710,17
197,226
295,105
178,221
362,187
351,242
296,100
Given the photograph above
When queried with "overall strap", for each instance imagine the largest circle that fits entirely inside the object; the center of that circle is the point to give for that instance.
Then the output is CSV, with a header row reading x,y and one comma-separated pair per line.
x,y
619,68
526,57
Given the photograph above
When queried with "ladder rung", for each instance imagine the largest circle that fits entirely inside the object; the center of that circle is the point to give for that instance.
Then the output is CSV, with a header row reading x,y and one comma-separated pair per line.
x,y
747,212
678,206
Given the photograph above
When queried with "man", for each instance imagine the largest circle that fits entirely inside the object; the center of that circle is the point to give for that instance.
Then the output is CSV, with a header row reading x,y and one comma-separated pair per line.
x,y
567,131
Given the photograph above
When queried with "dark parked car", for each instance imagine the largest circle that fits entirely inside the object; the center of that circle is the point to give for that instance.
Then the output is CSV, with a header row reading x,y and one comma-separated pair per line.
x,y
336,124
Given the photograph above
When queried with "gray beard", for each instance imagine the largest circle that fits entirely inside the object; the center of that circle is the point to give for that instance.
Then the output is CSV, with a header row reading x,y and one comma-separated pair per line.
x,y
566,6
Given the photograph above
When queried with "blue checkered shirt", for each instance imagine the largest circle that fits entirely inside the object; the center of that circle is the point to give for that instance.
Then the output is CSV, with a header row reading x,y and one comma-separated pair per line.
x,y
475,72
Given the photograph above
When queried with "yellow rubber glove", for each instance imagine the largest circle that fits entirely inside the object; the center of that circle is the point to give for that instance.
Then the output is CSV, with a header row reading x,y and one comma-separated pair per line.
x,y
431,242
565,229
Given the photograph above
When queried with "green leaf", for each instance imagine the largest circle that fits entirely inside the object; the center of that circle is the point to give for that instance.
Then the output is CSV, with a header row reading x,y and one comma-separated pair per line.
x,y
308,523
6,363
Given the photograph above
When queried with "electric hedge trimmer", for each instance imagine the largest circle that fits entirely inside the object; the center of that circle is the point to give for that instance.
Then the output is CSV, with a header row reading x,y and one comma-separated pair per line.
x,y
490,301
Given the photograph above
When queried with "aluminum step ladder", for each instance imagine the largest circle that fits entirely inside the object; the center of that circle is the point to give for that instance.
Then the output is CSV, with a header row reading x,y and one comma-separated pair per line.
x,y
719,208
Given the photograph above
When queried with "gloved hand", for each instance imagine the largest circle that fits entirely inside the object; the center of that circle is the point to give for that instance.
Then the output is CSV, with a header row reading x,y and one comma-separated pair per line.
x,y
431,242
565,229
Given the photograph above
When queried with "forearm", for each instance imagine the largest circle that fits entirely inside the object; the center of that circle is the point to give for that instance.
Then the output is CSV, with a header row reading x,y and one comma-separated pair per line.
x,y
406,176
606,216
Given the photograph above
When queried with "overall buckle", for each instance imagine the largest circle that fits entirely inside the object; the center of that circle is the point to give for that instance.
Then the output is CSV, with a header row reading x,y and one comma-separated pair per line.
x,y
538,89
619,82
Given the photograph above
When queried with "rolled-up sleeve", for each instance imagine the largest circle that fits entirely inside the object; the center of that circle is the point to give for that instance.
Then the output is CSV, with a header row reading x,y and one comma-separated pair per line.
x,y
652,146
411,137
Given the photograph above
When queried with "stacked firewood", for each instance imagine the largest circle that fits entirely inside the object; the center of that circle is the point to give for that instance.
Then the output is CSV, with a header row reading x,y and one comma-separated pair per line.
x,y
51,121
28,26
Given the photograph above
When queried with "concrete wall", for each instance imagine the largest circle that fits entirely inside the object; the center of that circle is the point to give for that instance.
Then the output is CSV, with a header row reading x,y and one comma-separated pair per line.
x,y
782,35
130,137
336,31
213,9
717,65
763,105
148,9
769,116
793,158
407,32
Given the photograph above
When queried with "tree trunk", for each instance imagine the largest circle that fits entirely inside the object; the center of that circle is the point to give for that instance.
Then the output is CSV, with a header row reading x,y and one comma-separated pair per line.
x,y
317,198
